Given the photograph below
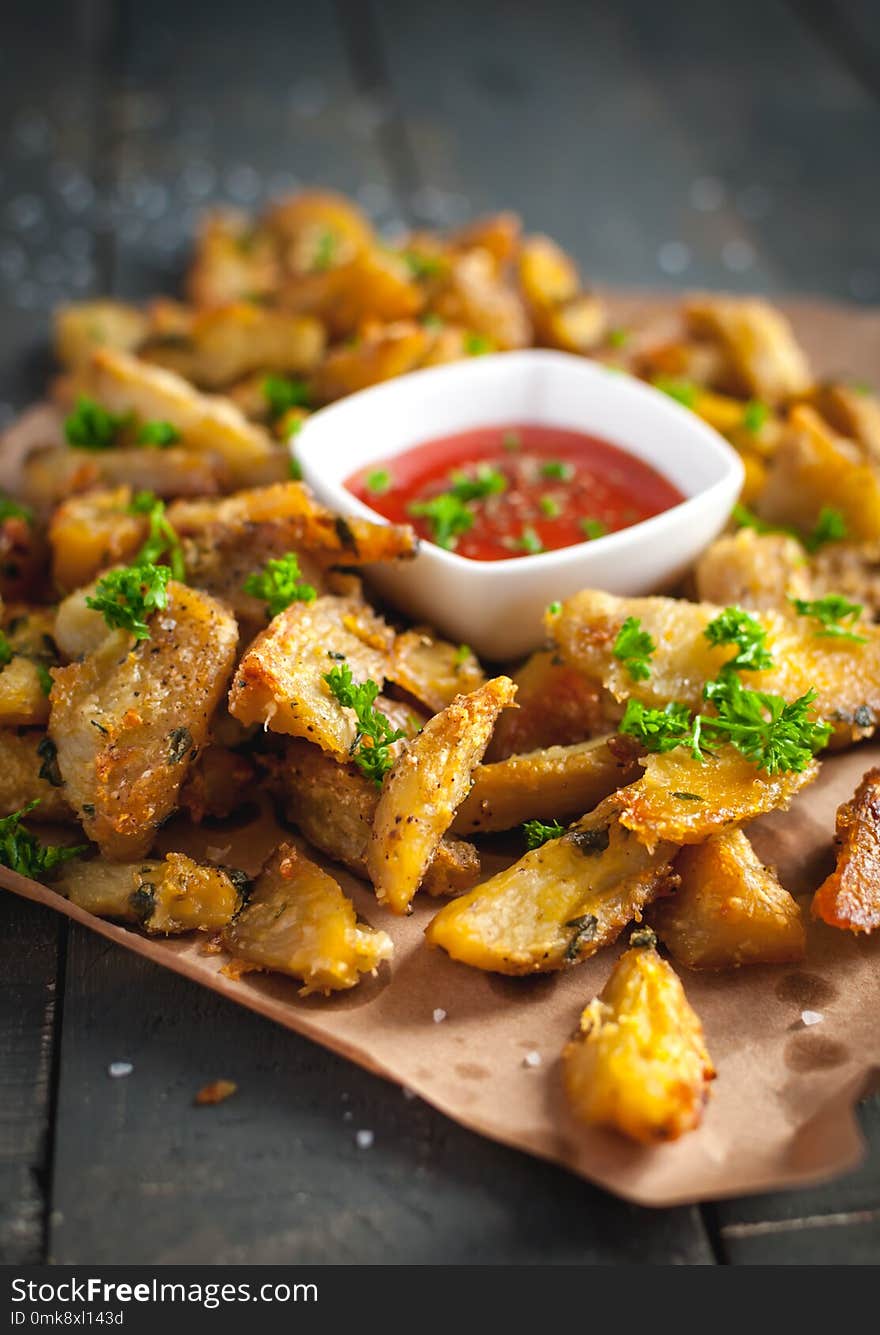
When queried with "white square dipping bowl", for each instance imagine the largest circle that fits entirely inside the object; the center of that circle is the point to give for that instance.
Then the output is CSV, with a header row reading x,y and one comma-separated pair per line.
x,y
497,606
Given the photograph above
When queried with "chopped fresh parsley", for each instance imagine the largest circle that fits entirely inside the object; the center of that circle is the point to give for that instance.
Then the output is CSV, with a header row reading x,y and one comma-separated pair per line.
x,y
432,321
488,481
421,265
282,393
370,748
634,647
554,608
745,518
162,539
447,516
44,677
683,391
279,584
774,734
22,852
475,345
529,542
736,627
538,832
688,797
592,529
325,250
512,441
127,596
660,729
158,434
6,650
91,427
755,415
379,481
294,469
557,469
830,527
550,507
462,654
10,509
618,338
835,614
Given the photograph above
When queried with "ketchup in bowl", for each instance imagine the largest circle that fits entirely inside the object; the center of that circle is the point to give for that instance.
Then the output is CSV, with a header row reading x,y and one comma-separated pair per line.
x,y
503,491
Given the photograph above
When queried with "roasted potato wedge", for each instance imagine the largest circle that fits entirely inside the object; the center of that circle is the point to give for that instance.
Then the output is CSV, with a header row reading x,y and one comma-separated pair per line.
x,y
553,784
761,572
130,717
280,682
22,553
318,229
557,706
729,909
163,897
475,297
80,328
24,680
28,773
638,1063
432,670
763,354
850,897
227,343
219,782
51,475
91,532
560,903
298,921
384,352
854,412
428,781
234,261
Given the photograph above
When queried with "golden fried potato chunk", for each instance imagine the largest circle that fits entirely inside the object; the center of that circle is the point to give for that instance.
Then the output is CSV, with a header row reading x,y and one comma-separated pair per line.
x,y
233,261
557,706
761,572
560,903
498,233
280,684
130,717
124,384
850,897
474,296
80,328
92,532
814,468
220,781
318,229
28,652
553,784
28,773
638,1063
299,921
729,909
226,343
52,474
164,897
428,781
432,670
385,351
853,411
681,799
22,552
334,806
562,315
763,354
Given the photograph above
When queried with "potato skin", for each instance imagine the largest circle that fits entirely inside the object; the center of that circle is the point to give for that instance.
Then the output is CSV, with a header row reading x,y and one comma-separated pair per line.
x,y
432,670
729,909
129,718
165,898
298,921
638,1063
556,706
427,782
850,897
20,780
761,572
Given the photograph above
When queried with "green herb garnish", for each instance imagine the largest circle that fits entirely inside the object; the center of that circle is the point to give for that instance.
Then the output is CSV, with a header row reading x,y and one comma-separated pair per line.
x,y
158,434
558,470
475,345
44,677
374,732
835,615
10,509
91,427
447,517
755,415
538,832
325,250
634,647
294,469
529,541
512,441
420,265
22,852
683,391
279,584
592,529
554,608
618,338
488,481
162,539
282,393
830,527
462,654
6,650
127,596
773,734
550,507
734,626
660,729
379,481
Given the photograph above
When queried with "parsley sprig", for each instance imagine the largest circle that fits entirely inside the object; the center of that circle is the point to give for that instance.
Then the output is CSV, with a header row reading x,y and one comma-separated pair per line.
x,y
487,481
21,851
279,584
375,734
91,427
10,509
127,596
734,626
634,648
830,526
835,614
447,517
162,539
283,393
158,434
538,832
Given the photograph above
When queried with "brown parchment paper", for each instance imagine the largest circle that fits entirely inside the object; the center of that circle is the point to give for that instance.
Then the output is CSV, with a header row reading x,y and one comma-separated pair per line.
x,y
781,1113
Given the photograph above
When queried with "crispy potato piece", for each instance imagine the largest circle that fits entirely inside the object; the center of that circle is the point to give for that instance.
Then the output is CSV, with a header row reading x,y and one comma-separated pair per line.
x,y
303,223
729,909
25,761
764,356
844,675
226,343
91,532
164,897
562,315
219,782
22,557
24,687
474,296
124,384
577,326
233,261
560,903
852,569
498,233
56,472
433,671
80,328
852,411
557,706
428,781
334,806
128,720
78,629
850,897
638,1062
280,680
553,784
759,571
298,921
375,285
682,800
387,351
814,468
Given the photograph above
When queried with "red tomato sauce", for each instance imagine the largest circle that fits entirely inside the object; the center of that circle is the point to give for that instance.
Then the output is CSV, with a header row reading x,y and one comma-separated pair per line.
x,y
514,490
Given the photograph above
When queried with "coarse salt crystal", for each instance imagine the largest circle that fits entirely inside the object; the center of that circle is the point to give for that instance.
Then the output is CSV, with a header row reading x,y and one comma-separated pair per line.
x,y
364,1139
532,1059
811,1017
439,1015
119,1069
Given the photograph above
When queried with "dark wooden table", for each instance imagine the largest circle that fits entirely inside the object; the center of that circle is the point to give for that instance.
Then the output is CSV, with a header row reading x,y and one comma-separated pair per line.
x,y
683,143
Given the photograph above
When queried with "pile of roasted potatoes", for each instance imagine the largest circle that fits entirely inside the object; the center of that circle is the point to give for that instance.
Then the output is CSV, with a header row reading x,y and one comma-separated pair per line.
x,y
183,626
